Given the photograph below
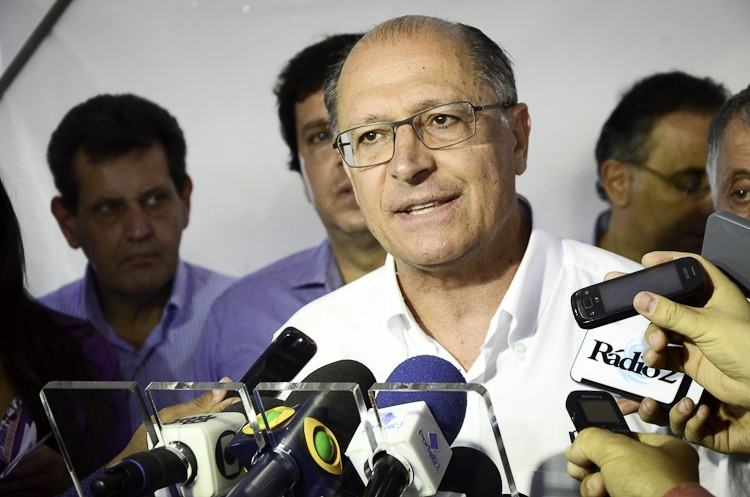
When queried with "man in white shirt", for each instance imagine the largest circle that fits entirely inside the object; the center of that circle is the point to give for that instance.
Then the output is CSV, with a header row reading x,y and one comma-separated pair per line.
x,y
433,137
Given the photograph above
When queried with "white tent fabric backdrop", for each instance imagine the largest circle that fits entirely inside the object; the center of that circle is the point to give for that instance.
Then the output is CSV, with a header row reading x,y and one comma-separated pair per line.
x,y
213,64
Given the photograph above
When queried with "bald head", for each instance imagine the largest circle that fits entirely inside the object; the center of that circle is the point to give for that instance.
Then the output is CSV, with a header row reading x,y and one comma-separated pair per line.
x,y
486,59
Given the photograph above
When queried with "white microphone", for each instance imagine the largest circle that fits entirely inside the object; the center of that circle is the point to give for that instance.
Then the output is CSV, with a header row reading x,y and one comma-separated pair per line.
x,y
412,452
195,458
417,428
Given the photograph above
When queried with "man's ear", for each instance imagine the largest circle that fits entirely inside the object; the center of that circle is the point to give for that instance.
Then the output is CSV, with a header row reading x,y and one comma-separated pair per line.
x,y
521,128
187,190
66,220
616,180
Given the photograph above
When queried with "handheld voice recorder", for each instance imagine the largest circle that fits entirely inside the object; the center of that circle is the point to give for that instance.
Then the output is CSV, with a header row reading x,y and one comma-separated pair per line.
x,y
589,408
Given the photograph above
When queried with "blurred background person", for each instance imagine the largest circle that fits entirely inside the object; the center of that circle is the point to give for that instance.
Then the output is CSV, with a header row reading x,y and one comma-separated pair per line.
x,y
249,312
40,345
118,162
651,156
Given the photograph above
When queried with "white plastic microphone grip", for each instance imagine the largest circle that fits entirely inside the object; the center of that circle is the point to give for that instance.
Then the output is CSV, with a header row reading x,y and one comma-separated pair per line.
x,y
411,435
207,435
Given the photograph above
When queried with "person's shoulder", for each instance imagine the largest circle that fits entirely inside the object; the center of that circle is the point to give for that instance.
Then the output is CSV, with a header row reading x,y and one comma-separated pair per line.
x,y
594,260
277,275
208,276
288,265
349,299
208,283
70,324
66,299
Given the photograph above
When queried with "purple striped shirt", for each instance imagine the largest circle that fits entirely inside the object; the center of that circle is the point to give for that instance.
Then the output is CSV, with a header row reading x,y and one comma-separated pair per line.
x,y
243,320
169,351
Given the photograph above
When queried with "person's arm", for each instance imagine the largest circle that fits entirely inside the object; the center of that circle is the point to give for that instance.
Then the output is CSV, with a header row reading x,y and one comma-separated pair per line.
x,y
612,464
213,401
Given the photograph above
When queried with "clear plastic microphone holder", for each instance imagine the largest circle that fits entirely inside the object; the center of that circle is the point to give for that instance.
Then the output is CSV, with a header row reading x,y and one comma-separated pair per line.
x,y
92,422
199,388
165,394
477,398
287,388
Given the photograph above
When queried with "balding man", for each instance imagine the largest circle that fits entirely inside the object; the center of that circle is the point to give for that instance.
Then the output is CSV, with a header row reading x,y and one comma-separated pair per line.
x,y
427,121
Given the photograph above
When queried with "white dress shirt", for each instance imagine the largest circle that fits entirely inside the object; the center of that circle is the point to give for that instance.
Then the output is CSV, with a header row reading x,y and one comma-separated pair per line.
x,y
524,362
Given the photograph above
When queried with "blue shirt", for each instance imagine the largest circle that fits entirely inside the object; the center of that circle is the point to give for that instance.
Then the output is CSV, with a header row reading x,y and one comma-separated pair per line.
x,y
168,352
243,320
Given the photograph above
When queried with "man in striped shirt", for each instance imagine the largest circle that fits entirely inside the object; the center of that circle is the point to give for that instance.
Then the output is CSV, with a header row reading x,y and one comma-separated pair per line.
x,y
118,162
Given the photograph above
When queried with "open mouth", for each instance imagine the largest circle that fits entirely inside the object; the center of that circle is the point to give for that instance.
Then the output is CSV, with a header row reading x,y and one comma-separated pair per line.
x,y
426,207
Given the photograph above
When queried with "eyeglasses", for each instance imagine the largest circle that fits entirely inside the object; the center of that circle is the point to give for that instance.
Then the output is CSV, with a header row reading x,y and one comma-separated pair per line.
x,y
437,127
691,182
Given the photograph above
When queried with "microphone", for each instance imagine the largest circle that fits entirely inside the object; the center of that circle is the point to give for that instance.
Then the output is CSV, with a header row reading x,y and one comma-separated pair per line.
x,y
195,458
471,473
309,431
417,429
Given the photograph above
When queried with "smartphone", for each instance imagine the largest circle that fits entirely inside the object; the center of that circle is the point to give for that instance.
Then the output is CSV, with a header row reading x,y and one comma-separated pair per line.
x,y
599,409
681,280
726,243
282,360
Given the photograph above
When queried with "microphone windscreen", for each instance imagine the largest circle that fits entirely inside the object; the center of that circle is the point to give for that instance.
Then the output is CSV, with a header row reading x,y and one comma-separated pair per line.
x,y
473,473
343,371
448,408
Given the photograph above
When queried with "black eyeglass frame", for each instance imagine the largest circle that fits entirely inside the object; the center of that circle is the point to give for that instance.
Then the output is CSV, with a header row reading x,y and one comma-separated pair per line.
x,y
674,182
338,145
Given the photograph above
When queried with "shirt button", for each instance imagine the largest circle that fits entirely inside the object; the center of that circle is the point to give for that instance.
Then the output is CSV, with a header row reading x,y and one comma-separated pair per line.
x,y
519,348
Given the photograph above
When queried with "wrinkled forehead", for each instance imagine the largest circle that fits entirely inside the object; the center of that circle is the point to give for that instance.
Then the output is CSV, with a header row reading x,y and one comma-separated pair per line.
x,y
389,76
735,143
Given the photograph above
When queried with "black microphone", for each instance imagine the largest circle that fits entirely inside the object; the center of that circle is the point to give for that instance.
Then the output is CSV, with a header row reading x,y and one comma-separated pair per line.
x,y
473,473
311,430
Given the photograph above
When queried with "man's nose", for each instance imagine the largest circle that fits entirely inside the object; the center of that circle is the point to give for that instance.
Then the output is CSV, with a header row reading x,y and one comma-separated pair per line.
x,y
137,223
412,161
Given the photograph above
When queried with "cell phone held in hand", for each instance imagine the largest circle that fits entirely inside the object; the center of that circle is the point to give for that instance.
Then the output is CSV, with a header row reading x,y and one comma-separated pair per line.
x,y
681,280
589,408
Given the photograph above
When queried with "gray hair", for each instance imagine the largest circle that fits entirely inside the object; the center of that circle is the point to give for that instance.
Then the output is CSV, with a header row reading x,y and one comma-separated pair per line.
x,y
737,107
491,64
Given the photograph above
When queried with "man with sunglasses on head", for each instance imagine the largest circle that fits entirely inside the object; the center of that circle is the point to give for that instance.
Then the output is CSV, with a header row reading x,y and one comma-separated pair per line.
x,y
651,157
427,120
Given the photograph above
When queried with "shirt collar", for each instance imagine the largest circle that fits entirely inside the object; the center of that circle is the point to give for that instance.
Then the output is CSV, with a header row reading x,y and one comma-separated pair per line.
x,y
532,285
324,271
178,300
522,303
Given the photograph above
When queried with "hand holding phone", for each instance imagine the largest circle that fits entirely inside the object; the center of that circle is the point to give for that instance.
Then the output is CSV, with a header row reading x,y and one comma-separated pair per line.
x,y
681,280
588,408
